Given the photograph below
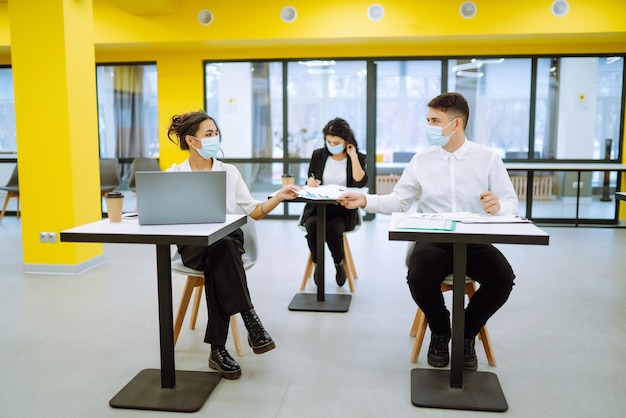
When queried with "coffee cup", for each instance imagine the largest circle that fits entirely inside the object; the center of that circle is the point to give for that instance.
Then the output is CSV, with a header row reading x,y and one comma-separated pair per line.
x,y
287,179
115,203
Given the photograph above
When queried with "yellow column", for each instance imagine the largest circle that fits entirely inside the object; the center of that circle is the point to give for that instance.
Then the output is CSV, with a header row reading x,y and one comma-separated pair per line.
x,y
52,55
180,90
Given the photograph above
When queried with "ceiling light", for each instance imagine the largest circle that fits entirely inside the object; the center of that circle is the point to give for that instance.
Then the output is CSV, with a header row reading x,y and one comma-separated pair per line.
x,y
317,63
375,12
468,9
560,8
288,14
469,74
489,61
205,17
467,66
320,71
611,60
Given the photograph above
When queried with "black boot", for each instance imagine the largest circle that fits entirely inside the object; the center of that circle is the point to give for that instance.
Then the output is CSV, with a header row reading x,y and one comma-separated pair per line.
x,y
220,360
315,274
258,338
470,362
438,353
341,274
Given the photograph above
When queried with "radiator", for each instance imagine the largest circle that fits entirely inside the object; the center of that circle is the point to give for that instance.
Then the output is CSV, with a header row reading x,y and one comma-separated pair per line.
x,y
385,184
542,187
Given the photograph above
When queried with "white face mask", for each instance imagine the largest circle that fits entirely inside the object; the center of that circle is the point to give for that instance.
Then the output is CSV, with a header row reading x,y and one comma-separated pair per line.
x,y
435,136
210,147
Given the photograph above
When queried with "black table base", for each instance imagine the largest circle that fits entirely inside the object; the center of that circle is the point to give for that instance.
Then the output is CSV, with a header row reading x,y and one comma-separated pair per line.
x,y
481,391
144,391
330,303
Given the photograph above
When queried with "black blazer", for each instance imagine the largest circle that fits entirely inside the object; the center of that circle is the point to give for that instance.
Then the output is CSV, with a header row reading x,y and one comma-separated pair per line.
x,y
316,167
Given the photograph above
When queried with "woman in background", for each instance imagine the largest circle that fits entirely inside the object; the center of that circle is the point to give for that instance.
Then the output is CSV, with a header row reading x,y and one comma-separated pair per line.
x,y
338,162
226,286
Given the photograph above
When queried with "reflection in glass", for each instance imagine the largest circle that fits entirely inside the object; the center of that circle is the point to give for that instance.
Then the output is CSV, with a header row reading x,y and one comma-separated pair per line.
x,y
319,91
498,93
578,108
8,139
403,90
127,112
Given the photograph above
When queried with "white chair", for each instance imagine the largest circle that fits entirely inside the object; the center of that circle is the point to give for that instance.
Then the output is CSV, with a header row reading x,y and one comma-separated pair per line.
x,y
418,329
195,280
348,261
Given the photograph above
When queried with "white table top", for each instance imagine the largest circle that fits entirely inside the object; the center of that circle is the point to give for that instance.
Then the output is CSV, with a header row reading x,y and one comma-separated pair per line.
x,y
130,232
478,233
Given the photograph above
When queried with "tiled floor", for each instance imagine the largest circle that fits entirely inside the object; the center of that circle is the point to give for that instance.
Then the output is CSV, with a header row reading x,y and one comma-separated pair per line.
x,y
69,343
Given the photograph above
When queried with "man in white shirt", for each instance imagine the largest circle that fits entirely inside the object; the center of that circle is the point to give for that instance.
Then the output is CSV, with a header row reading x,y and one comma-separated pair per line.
x,y
454,175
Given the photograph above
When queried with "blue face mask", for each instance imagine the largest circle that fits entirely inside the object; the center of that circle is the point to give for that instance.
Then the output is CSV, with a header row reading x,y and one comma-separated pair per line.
x,y
210,147
337,149
435,136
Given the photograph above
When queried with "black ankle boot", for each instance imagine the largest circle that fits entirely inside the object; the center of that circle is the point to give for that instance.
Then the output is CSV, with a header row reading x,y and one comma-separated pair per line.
x,y
258,338
220,360
470,362
341,274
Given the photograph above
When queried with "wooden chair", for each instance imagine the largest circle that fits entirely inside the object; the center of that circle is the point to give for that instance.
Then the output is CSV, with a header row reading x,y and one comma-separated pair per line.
x,y
348,261
13,190
195,282
418,329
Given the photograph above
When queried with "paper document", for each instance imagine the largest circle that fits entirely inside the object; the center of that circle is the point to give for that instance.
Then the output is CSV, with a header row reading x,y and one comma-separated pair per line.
x,y
413,223
327,192
497,219
468,217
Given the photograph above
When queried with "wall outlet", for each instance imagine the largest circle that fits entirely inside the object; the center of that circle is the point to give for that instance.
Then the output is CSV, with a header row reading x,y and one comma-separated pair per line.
x,y
47,237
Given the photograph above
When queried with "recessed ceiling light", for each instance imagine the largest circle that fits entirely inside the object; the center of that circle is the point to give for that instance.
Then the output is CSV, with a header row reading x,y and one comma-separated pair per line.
x,y
375,12
560,8
288,14
205,17
468,9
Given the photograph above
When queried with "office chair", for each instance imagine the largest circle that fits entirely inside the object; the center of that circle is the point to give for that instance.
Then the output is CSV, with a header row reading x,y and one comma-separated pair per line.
x,y
142,164
195,281
348,261
109,175
13,190
418,329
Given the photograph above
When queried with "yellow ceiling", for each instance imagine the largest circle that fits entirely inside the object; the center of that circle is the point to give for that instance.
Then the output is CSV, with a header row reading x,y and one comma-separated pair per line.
x,y
144,7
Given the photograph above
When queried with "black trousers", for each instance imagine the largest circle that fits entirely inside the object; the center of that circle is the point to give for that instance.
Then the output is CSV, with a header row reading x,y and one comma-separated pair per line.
x,y
225,283
335,227
430,263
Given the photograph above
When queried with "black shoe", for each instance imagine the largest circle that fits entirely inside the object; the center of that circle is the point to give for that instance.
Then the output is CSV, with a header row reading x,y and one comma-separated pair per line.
x,y
315,274
258,338
341,274
220,360
470,362
438,354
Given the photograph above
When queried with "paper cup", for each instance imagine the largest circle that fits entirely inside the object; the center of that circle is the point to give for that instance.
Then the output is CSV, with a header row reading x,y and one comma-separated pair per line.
x,y
115,203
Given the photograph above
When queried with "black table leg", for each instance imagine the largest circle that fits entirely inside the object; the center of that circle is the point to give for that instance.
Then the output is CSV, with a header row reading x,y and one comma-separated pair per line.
x,y
320,302
456,389
166,389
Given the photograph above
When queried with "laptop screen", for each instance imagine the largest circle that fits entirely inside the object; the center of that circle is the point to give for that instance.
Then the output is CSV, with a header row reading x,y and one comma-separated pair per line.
x,y
167,197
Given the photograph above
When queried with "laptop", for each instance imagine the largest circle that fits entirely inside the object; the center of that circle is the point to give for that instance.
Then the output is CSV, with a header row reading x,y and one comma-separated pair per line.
x,y
190,197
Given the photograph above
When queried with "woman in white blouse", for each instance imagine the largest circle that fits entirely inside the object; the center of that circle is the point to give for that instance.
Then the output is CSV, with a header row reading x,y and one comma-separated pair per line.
x,y
226,286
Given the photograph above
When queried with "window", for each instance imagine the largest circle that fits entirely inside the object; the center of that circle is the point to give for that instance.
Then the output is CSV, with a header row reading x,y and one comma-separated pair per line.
x,y
8,140
127,112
